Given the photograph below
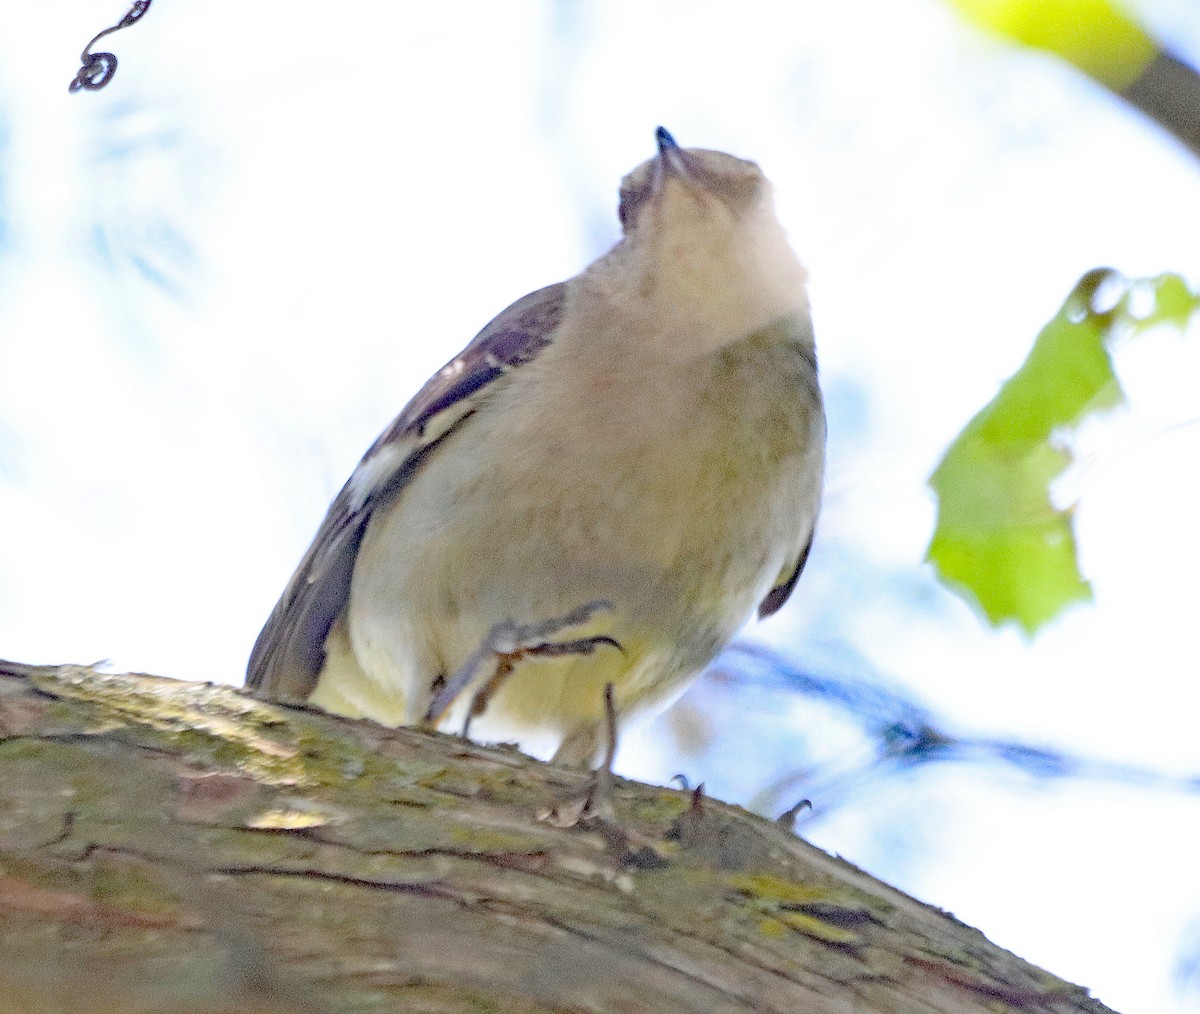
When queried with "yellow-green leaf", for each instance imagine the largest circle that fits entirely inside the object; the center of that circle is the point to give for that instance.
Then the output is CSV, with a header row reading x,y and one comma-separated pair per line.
x,y
999,540
1098,37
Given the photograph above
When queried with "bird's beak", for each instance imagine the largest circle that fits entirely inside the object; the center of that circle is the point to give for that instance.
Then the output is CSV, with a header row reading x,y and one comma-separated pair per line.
x,y
672,160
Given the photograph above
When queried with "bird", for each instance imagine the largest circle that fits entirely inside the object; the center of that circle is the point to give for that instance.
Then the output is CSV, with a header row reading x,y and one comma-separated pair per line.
x,y
636,454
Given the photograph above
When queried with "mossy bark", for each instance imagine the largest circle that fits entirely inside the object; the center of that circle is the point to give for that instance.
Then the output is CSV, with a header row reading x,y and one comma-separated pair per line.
x,y
169,846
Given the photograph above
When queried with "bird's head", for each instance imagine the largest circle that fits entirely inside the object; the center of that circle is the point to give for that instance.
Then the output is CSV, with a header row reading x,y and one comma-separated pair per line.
x,y
682,186
703,250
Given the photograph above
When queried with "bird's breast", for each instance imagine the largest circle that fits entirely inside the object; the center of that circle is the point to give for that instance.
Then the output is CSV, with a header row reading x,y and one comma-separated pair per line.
x,y
677,496
661,462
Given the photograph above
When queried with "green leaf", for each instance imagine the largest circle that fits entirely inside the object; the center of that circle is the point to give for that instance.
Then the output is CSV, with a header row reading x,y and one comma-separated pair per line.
x,y
1174,303
1096,36
1000,541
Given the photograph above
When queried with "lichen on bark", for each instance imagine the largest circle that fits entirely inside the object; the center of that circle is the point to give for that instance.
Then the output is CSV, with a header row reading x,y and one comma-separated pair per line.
x,y
169,846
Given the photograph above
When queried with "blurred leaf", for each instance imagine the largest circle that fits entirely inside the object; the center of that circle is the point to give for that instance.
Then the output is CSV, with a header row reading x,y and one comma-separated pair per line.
x,y
1107,44
1095,36
999,540
1174,304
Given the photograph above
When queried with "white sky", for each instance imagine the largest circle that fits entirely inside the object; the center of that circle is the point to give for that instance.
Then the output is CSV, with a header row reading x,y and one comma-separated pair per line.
x,y
334,203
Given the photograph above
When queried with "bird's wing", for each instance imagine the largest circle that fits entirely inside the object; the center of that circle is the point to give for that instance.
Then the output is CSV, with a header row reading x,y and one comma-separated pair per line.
x,y
786,582
778,595
289,653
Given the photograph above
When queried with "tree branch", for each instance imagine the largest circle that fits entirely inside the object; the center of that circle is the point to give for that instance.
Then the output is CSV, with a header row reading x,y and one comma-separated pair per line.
x,y
181,846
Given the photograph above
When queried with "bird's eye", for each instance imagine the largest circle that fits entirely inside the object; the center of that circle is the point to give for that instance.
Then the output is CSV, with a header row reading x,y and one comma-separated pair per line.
x,y
631,200
625,209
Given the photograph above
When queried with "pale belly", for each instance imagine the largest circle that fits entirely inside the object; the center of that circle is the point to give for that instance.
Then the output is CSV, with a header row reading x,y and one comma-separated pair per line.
x,y
682,529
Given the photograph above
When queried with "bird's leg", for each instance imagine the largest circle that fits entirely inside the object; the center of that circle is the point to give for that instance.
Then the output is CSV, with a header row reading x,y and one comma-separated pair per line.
x,y
506,663
596,800
506,644
599,802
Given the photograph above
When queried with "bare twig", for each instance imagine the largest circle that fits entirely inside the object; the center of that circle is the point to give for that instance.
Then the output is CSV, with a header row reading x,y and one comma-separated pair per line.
x,y
98,68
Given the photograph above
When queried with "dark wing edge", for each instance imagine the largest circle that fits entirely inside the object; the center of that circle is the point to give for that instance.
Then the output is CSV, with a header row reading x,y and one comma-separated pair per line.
x,y
290,651
778,595
807,354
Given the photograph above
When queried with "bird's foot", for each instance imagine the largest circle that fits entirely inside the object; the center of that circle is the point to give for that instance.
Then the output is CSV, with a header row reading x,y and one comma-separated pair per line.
x,y
505,645
595,802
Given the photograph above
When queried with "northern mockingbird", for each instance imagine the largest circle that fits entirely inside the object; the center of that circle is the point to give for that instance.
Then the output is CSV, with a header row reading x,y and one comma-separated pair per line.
x,y
648,435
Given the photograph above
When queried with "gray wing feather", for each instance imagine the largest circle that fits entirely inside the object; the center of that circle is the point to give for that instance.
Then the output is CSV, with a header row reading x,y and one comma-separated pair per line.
x,y
782,591
289,653
778,595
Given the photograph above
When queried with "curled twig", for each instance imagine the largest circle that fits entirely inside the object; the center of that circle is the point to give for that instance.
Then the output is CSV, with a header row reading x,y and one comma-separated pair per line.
x,y
98,68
